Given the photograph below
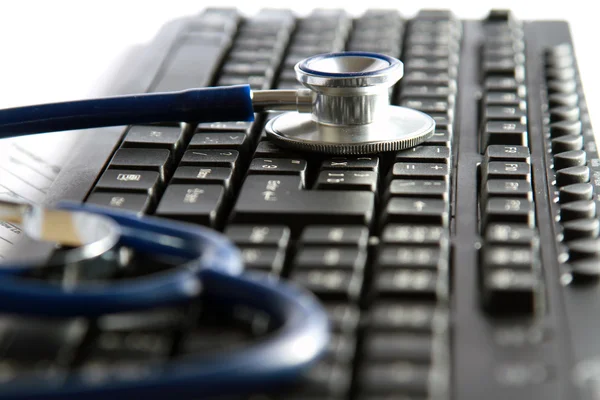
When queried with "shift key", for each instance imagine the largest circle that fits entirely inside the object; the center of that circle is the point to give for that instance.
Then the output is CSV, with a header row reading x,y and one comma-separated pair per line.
x,y
279,199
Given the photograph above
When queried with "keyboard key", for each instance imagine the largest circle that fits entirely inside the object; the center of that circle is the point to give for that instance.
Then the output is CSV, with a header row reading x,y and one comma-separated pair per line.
x,y
504,114
424,211
278,166
367,163
139,203
129,181
347,180
581,229
425,257
268,149
404,316
335,235
412,347
342,316
510,291
259,235
199,204
577,210
420,170
210,158
567,143
201,175
573,158
507,188
392,378
576,192
407,283
265,199
419,189
505,133
330,283
509,170
514,257
220,140
267,259
158,137
425,154
142,159
413,234
571,175
508,210
507,153
503,233
330,257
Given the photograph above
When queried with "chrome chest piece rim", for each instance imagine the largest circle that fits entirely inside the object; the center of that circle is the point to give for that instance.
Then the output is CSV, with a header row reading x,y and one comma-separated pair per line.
x,y
351,111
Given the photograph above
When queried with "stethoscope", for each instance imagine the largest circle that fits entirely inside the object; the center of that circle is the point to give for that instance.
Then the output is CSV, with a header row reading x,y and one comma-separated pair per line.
x,y
345,110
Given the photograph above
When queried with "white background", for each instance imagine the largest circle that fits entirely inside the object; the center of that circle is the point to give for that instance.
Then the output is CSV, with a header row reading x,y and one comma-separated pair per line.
x,y
59,50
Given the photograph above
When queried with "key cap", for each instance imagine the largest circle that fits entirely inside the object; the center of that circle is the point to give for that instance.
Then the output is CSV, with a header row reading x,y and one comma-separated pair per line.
x,y
578,210
564,113
210,158
576,192
259,235
139,203
507,153
425,257
330,257
158,137
425,105
503,84
508,210
347,180
278,166
202,175
563,99
404,316
330,283
367,163
581,229
425,154
199,204
505,133
507,188
335,235
131,346
412,347
142,159
513,257
407,283
118,180
503,99
563,128
561,86
568,159
508,170
424,211
226,127
391,378
413,234
571,175
567,143
220,140
266,259
512,292
441,137
584,248
265,199
411,170
503,233
419,188
501,113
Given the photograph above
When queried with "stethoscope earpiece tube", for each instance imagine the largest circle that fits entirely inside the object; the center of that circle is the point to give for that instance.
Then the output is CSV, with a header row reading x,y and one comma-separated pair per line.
x,y
213,104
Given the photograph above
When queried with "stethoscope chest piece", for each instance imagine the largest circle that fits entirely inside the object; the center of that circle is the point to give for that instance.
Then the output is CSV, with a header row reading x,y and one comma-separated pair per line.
x,y
350,111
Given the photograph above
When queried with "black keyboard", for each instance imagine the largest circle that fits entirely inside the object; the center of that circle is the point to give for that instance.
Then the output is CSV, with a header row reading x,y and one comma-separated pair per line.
x,y
464,268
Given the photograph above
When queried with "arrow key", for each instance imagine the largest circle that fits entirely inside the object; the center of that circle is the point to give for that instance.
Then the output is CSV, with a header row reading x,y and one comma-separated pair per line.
x,y
220,140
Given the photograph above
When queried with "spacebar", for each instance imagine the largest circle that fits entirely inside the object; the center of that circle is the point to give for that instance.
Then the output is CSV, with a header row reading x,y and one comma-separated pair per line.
x,y
194,62
272,200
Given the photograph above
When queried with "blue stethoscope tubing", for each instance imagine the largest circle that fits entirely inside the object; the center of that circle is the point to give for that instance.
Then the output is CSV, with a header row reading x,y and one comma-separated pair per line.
x,y
215,270
211,104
